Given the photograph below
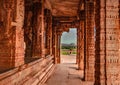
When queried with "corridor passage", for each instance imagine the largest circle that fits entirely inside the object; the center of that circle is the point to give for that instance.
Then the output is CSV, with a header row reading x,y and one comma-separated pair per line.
x,y
66,73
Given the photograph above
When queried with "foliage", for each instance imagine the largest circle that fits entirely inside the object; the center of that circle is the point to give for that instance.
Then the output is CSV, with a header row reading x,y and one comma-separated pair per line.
x,y
68,47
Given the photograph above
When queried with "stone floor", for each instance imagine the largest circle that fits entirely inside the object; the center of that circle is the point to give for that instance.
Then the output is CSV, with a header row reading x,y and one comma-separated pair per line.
x,y
66,73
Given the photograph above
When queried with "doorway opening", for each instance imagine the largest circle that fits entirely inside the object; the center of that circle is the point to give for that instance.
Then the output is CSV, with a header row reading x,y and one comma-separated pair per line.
x,y
69,46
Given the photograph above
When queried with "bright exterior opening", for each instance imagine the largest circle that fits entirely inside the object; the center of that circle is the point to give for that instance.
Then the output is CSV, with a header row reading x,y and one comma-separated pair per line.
x,y
69,46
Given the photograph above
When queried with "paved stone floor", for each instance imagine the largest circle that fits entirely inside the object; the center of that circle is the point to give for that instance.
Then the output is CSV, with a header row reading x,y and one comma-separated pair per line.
x,y
66,73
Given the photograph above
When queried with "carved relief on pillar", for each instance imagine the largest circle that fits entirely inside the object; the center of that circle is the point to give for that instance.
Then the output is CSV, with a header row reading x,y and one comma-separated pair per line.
x,y
48,31
112,43
90,43
81,45
38,32
28,33
20,13
11,36
5,17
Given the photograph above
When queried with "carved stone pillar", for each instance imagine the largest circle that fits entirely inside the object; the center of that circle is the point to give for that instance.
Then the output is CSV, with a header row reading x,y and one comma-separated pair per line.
x,y
48,31
28,32
107,43
51,35
81,46
12,40
56,50
54,43
37,29
51,41
42,31
78,48
58,47
90,42
8,6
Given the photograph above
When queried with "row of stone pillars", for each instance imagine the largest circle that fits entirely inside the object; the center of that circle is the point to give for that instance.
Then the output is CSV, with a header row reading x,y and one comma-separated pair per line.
x,y
101,42
23,32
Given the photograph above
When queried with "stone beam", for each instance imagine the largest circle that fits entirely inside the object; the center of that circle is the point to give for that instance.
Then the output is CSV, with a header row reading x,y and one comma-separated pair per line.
x,y
65,19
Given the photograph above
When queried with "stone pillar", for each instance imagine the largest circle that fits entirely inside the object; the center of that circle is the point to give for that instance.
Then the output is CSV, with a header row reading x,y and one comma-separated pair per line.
x,y
51,33
81,46
20,44
48,27
51,53
54,43
107,62
100,46
28,32
90,42
11,39
78,48
58,48
42,31
37,30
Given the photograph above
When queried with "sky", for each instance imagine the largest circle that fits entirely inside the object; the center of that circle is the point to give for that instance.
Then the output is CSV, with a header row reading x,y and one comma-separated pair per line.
x,y
69,37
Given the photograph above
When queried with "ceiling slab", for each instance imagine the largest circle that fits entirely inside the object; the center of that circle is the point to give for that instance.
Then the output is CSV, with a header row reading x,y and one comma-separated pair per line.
x,y
64,7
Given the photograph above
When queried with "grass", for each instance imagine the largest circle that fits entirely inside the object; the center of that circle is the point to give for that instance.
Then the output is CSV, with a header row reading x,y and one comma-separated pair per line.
x,y
68,52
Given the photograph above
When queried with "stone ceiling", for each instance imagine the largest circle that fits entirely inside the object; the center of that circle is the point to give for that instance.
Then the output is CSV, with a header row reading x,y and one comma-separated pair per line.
x,y
63,7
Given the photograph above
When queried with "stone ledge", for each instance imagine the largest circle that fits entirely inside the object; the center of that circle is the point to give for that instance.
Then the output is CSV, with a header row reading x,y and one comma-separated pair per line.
x,y
28,73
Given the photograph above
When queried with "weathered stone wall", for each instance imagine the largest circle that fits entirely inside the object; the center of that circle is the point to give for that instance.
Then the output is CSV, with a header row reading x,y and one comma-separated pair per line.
x,y
28,74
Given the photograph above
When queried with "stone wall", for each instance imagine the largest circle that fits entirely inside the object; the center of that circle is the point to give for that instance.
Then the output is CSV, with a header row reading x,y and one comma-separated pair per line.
x,y
34,73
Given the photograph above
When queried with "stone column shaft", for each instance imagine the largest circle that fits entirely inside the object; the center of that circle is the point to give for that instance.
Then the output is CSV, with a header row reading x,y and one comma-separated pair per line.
x,y
81,45
78,48
90,42
12,39
37,29
42,32
58,48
